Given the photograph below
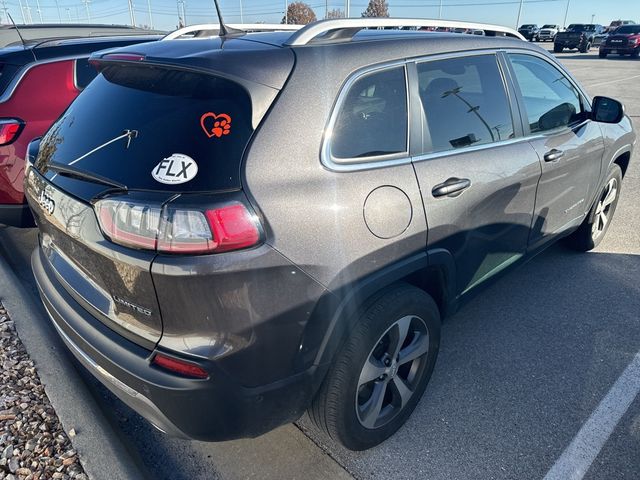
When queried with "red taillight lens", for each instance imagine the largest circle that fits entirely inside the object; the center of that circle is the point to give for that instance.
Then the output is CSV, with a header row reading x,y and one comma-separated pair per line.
x,y
178,230
9,130
179,366
233,227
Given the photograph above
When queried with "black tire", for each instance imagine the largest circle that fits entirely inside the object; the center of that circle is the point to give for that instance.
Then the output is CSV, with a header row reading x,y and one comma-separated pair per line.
x,y
590,234
557,49
337,407
602,54
585,48
636,53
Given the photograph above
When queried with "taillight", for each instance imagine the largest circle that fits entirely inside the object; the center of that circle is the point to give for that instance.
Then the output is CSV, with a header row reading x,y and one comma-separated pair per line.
x,y
9,130
172,229
179,366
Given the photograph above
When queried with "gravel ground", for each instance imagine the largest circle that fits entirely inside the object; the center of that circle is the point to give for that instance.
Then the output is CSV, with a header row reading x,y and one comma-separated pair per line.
x,y
33,444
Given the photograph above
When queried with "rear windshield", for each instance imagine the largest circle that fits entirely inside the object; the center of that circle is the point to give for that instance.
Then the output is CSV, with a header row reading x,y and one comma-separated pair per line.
x,y
628,30
579,28
187,130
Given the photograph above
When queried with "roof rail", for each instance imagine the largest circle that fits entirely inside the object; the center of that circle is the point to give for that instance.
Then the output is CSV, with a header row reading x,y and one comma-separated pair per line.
x,y
345,28
197,30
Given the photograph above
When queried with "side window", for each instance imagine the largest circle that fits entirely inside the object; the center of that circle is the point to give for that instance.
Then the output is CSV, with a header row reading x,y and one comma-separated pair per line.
x,y
372,120
550,100
464,102
84,73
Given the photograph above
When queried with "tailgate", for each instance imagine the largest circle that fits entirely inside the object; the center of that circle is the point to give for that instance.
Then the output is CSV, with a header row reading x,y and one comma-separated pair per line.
x,y
113,283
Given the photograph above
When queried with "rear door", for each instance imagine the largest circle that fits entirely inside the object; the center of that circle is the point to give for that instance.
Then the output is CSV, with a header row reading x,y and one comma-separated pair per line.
x,y
477,175
569,145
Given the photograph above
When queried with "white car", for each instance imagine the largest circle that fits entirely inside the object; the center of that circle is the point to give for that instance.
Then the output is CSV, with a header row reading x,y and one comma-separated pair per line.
x,y
548,32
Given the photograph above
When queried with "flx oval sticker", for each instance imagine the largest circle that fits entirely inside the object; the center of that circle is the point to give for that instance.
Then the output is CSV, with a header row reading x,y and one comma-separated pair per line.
x,y
175,169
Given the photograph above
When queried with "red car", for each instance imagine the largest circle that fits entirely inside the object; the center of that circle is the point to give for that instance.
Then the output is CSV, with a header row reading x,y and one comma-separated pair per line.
x,y
38,80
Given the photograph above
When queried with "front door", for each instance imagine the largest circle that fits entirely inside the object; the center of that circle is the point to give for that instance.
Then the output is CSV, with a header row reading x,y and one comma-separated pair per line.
x,y
569,145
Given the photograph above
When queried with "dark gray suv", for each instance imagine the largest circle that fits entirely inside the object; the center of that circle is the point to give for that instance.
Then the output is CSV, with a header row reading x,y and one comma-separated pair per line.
x,y
237,229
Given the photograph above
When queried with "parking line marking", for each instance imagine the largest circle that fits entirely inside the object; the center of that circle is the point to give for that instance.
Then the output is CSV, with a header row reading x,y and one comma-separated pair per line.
x,y
586,445
613,81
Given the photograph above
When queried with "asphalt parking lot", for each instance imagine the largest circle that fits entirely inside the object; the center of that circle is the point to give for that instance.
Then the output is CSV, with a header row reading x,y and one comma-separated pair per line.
x,y
521,373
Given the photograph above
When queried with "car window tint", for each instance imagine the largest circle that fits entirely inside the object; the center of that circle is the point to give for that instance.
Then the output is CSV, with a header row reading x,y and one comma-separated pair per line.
x,y
464,103
84,73
373,117
550,100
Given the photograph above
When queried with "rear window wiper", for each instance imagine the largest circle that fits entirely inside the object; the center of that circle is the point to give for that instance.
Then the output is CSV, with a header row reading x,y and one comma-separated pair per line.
x,y
75,172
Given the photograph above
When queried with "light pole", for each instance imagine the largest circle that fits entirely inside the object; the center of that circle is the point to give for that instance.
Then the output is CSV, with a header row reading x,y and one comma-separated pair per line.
x,y
150,16
286,12
40,11
132,15
566,13
86,6
68,13
59,15
241,15
22,11
519,14
440,10
593,16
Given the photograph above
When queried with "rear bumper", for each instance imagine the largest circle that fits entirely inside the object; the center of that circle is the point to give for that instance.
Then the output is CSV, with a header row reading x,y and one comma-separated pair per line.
x,y
627,49
17,215
213,409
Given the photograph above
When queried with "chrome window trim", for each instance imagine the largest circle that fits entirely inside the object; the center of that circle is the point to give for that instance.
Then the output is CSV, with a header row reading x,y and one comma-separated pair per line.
x,y
474,148
383,161
75,73
11,88
364,163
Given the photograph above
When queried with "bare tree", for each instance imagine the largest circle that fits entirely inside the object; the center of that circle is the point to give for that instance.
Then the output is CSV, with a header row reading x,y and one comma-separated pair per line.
x,y
334,13
376,8
299,13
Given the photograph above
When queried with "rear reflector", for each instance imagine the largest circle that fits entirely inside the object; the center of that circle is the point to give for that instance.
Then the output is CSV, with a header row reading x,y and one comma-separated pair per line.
x,y
179,366
178,230
9,130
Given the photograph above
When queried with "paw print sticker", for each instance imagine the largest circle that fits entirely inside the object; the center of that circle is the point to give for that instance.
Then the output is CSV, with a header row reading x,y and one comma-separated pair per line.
x,y
215,125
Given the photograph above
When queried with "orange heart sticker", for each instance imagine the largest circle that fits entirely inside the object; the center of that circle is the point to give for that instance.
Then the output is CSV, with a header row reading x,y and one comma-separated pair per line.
x,y
215,125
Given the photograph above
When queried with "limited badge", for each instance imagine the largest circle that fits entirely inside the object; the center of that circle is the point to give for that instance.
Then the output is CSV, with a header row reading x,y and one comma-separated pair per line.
x,y
215,125
175,169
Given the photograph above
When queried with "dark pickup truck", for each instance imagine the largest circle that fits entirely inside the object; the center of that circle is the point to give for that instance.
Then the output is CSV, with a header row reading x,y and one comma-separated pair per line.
x,y
623,41
577,35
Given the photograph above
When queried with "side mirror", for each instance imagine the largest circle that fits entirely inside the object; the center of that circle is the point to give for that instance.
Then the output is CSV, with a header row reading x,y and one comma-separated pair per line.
x,y
607,110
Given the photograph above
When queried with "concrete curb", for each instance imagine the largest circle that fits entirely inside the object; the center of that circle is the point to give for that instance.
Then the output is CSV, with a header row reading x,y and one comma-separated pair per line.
x,y
101,453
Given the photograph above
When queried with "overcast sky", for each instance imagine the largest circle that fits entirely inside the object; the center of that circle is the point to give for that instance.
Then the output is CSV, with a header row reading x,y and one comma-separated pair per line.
x,y
165,12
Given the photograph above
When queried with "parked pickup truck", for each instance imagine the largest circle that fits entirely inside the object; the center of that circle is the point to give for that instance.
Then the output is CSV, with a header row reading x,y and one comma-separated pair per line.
x,y
624,41
577,35
548,32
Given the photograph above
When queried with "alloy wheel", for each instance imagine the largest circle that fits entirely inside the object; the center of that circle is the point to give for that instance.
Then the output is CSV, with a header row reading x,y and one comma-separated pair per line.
x,y
392,372
603,209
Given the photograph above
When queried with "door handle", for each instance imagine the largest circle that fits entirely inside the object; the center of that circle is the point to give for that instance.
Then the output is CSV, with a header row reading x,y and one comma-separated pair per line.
x,y
553,155
451,187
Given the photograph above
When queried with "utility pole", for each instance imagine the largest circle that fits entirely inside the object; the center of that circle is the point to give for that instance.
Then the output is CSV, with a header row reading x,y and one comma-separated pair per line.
x,y
566,13
519,14
150,16
22,11
6,11
593,16
132,15
68,13
440,10
58,8
286,12
86,6
241,15
346,10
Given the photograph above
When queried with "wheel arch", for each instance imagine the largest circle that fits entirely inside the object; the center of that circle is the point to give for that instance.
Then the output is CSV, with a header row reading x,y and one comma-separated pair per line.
x,y
432,271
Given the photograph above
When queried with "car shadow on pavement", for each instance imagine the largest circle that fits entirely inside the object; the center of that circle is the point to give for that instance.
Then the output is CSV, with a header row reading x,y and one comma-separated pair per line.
x,y
520,369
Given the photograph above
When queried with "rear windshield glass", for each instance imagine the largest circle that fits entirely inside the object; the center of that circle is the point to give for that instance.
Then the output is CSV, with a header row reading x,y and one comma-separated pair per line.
x,y
189,130
577,28
628,30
